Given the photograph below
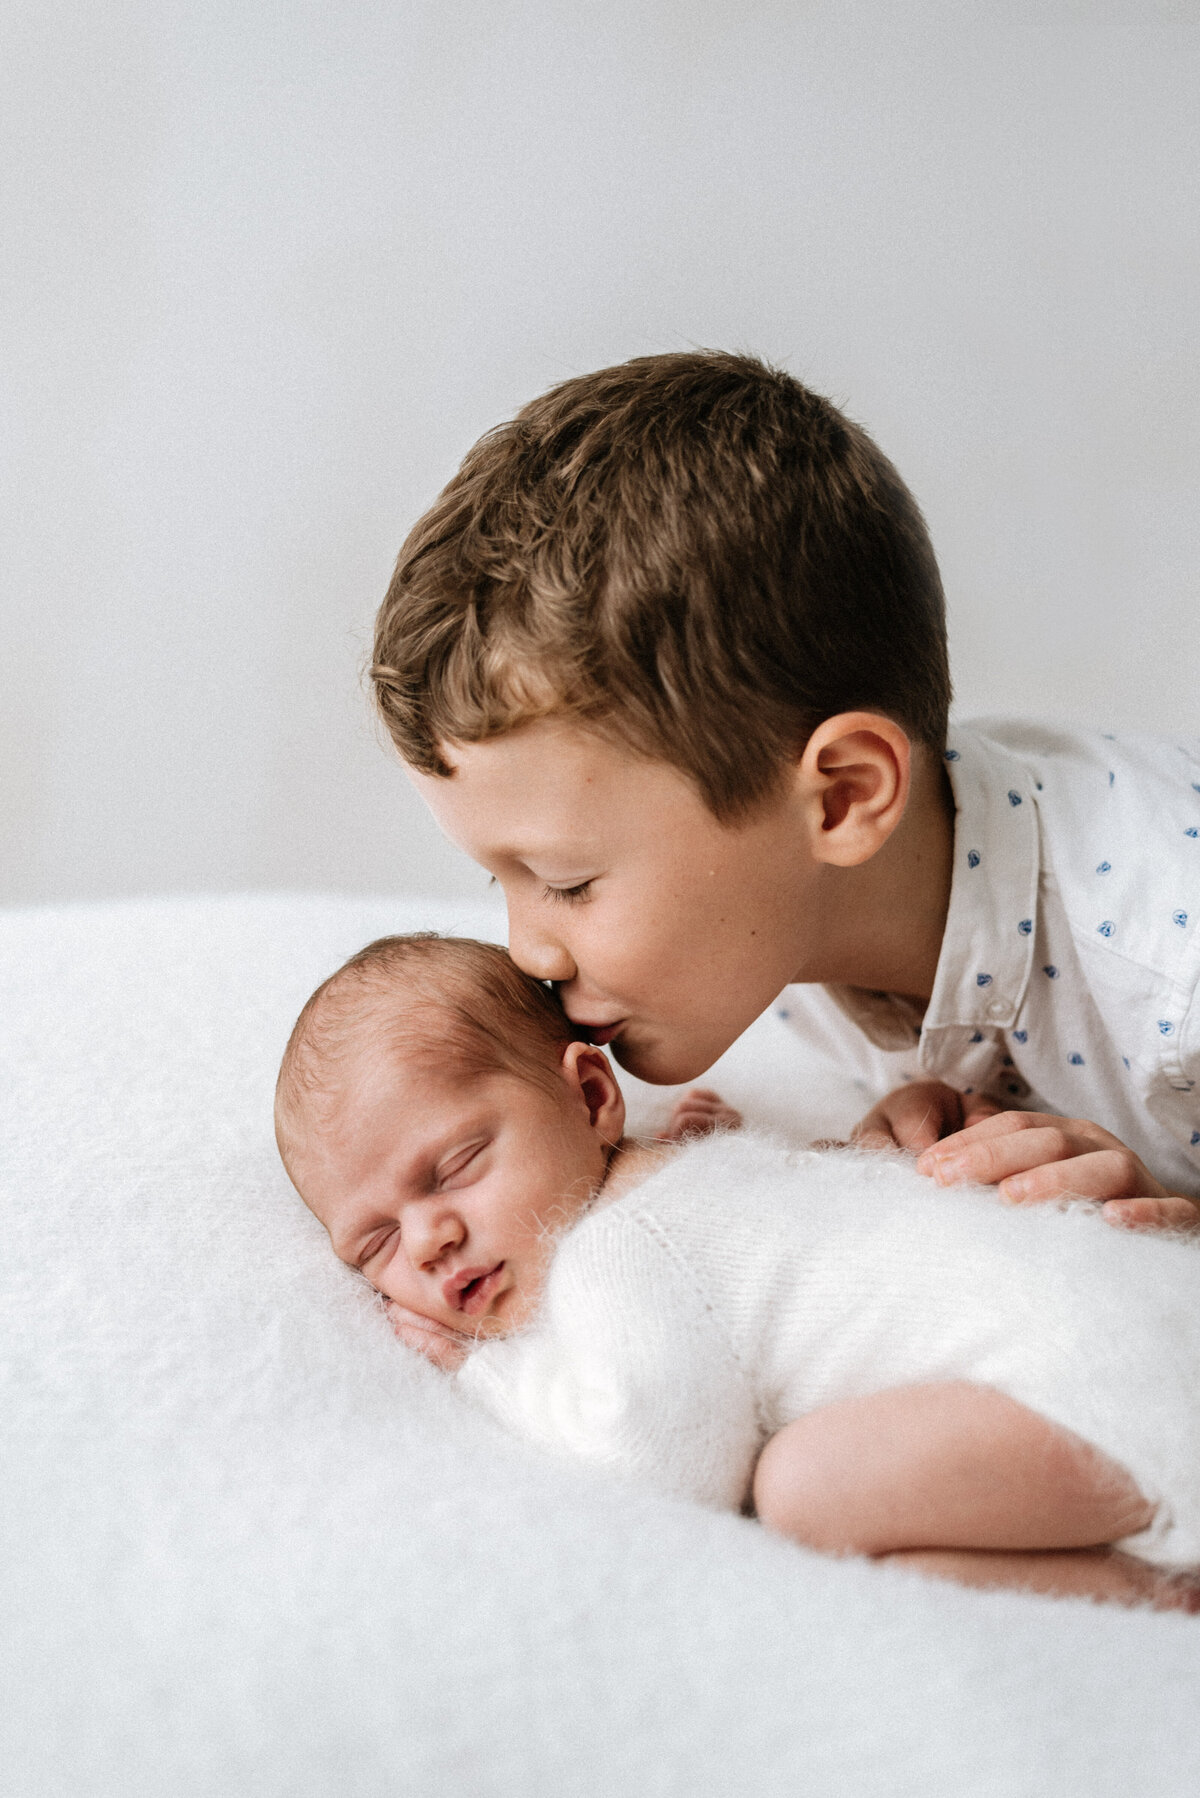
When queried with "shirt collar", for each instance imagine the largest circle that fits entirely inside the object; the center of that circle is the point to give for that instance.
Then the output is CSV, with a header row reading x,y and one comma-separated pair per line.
x,y
987,947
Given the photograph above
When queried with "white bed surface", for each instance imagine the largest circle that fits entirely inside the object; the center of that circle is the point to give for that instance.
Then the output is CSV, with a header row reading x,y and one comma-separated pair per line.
x,y
254,1547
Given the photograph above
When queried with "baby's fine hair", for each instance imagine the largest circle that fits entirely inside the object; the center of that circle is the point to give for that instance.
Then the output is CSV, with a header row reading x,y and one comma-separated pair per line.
x,y
692,554
462,1004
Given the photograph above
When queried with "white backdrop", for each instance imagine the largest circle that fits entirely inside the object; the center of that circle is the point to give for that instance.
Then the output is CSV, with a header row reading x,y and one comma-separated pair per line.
x,y
270,266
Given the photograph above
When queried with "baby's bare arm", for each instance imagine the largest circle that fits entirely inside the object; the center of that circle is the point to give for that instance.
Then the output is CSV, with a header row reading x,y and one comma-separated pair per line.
x,y
952,1466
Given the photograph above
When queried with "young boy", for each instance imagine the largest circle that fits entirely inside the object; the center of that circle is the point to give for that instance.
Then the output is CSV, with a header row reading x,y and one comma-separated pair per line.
x,y
882,1369
668,658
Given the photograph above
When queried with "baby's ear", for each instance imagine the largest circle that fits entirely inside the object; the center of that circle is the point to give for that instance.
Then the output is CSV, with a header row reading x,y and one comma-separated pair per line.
x,y
587,1071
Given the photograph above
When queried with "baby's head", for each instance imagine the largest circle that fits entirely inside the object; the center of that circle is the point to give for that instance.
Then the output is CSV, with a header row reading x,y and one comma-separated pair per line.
x,y
436,1115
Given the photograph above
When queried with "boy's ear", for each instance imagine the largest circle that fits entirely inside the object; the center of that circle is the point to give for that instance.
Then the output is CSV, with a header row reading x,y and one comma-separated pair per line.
x,y
855,773
587,1070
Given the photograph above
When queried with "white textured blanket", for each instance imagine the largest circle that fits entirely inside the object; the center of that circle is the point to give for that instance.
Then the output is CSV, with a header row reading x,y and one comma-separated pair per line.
x,y
254,1547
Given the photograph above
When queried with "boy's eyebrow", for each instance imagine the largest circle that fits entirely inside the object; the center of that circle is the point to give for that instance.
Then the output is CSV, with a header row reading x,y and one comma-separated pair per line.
x,y
528,843
561,857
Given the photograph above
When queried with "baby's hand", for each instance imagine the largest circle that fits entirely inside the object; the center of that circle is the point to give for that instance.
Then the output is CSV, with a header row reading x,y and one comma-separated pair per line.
x,y
699,1113
445,1348
916,1116
1033,1156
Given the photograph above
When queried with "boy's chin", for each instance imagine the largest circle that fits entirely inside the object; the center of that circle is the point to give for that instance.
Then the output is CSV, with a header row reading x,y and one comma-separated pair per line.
x,y
658,1063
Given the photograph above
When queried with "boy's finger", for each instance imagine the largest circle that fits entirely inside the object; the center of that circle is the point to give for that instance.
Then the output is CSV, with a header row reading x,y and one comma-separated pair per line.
x,y
913,1117
1047,1163
1100,1174
864,1139
921,1135
898,1127
917,1127
1084,1135
1152,1214
991,1158
976,1107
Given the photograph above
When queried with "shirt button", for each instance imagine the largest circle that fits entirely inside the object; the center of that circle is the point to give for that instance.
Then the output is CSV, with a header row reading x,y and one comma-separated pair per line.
x,y
997,1008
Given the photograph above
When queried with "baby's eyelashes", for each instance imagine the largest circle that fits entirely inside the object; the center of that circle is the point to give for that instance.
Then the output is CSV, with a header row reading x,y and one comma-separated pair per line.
x,y
457,1164
374,1248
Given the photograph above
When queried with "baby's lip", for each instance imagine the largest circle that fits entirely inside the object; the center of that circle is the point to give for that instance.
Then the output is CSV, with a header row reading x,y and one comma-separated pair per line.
x,y
472,1289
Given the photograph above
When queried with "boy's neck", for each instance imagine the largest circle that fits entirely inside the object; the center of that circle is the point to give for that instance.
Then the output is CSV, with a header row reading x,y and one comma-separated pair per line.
x,y
886,918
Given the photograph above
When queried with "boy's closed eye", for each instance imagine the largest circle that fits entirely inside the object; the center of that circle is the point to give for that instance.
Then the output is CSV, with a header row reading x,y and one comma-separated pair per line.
x,y
576,895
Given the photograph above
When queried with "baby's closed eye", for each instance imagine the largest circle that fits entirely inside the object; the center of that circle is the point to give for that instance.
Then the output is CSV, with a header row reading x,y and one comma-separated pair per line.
x,y
461,1162
385,1239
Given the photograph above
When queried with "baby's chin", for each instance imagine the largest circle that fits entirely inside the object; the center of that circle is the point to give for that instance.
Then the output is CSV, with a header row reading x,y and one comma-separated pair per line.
x,y
512,1310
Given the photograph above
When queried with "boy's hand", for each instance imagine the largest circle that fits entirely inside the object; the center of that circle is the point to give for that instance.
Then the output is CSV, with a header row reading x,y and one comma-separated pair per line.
x,y
920,1114
445,1348
1033,1156
698,1113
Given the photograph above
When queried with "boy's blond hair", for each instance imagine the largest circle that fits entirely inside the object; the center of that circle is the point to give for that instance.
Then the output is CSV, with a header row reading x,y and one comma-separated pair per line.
x,y
692,554
463,1004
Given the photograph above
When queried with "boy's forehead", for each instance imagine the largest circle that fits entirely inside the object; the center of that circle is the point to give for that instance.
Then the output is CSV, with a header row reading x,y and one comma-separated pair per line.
x,y
543,786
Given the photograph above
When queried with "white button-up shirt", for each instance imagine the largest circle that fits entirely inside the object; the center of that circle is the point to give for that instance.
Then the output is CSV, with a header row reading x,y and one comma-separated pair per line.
x,y
1070,966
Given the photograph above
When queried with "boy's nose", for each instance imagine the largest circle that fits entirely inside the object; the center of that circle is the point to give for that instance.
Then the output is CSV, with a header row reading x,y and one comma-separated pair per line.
x,y
536,952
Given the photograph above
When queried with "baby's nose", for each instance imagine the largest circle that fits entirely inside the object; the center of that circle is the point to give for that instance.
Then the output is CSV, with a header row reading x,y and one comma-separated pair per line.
x,y
433,1233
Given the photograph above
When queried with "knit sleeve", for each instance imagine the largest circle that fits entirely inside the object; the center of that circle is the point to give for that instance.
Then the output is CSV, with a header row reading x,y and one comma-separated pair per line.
x,y
626,1367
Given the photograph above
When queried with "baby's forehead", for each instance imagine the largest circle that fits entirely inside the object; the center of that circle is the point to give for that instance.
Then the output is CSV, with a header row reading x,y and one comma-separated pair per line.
x,y
394,1045
383,1100
381,1063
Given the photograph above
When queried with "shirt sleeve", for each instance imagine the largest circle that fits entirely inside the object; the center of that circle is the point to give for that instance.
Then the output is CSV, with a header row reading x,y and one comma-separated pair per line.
x,y
628,1368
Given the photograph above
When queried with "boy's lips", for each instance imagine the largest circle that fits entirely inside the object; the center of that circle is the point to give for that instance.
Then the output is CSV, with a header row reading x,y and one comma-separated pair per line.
x,y
603,1033
472,1289
598,1034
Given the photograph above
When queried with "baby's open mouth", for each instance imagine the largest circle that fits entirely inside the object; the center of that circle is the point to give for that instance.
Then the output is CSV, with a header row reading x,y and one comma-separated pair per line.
x,y
472,1289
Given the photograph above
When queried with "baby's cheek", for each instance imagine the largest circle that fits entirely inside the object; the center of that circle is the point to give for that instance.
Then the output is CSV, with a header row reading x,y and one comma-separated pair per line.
x,y
391,1285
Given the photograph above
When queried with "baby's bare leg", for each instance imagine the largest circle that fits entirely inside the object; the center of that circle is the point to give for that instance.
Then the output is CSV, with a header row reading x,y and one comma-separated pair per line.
x,y
1103,1573
952,1466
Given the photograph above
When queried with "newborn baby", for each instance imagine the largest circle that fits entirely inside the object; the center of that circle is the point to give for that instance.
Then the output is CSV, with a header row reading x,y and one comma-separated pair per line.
x,y
872,1364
